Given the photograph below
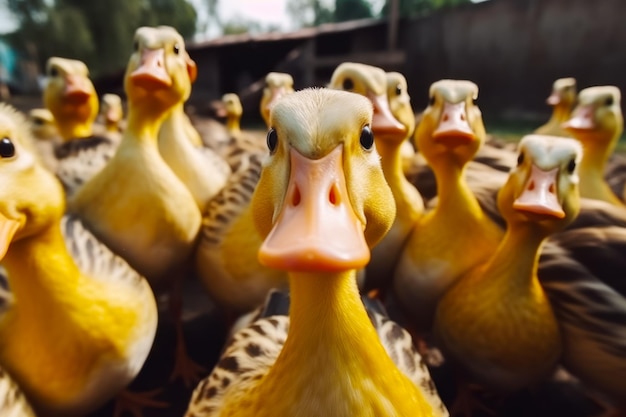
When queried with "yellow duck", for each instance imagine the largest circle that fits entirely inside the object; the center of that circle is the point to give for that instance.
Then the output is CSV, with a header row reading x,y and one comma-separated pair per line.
x,y
71,98
496,320
233,111
112,113
456,235
198,167
389,96
277,85
77,326
597,122
13,403
320,204
562,101
136,204
46,136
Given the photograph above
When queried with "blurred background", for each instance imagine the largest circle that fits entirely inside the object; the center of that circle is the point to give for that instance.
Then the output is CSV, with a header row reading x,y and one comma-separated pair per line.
x,y
513,49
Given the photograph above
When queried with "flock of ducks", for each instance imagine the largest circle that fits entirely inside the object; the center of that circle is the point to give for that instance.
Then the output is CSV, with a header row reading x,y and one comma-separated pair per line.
x,y
305,238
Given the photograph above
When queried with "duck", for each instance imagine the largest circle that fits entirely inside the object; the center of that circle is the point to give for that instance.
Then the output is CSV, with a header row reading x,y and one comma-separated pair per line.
x,y
46,136
202,170
13,403
456,235
232,111
320,204
597,122
153,220
112,114
277,85
88,319
496,322
71,97
562,100
393,123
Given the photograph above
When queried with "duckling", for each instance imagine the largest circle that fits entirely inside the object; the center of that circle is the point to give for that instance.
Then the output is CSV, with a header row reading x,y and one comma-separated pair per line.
x,y
277,85
13,403
71,98
496,321
46,135
456,235
393,122
320,204
562,101
136,204
112,114
597,122
232,111
198,167
78,323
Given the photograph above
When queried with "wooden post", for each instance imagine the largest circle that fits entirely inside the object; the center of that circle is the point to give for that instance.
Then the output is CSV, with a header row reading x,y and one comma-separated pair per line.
x,y
392,25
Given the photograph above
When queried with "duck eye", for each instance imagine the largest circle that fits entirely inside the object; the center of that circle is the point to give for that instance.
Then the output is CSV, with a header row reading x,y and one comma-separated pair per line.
x,y
37,121
398,89
7,150
431,102
367,138
571,166
520,159
54,71
608,101
348,84
135,45
176,48
272,140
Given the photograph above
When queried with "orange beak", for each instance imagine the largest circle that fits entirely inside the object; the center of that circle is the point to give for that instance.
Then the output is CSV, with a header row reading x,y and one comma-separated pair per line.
x,y
383,122
581,119
112,115
453,127
151,72
77,90
539,195
554,99
8,228
316,229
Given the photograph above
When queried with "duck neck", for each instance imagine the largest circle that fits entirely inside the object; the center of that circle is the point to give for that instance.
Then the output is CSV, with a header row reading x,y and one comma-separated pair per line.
x,y
42,274
560,114
143,124
454,195
74,129
595,154
408,199
177,126
233,124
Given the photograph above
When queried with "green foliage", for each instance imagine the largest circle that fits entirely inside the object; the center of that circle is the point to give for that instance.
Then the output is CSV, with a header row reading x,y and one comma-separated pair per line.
x,y
315,12
408,8
351,10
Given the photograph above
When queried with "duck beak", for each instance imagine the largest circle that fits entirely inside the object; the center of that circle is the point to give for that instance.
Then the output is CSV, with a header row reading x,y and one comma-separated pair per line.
x,y
316,229
383,122
151,72
76,89
8,228
581,119
554,99
112,115
539,195
453,125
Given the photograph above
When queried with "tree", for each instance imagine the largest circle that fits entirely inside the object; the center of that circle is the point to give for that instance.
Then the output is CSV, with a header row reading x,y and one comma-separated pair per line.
x,y
351,10
309,12
415,7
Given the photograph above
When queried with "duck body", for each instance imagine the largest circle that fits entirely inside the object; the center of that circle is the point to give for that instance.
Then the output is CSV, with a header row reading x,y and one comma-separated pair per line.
x,y
315,225
12,400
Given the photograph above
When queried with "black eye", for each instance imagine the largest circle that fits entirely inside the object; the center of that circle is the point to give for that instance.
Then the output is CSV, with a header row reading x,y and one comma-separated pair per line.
x,y
348,84
7,150
398,89
571,166
272,140
54,71
367,138
520,159
38,122
608,101
176,48
135,45
431,102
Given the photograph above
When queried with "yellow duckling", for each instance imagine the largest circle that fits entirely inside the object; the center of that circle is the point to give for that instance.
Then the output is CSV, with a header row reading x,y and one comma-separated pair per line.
x,y
78,326
71,98
44,131
497,321
13,403
389,96
136,204
456,235
233,111
112,113
320,204
199,168
562,101
277,85
597,122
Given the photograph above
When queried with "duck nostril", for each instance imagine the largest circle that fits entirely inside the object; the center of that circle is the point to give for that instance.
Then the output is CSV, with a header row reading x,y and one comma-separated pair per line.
x,y
551,188
333,195
295,198
445,117
531,186
462,117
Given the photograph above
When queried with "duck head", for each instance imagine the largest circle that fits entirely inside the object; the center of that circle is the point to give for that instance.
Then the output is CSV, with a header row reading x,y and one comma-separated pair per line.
x,y
31,198
400,101
160,72
232,106
322,201
563,93
543,187
70,96
112,109
277,85
371,82
42,124
597,119
452,125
